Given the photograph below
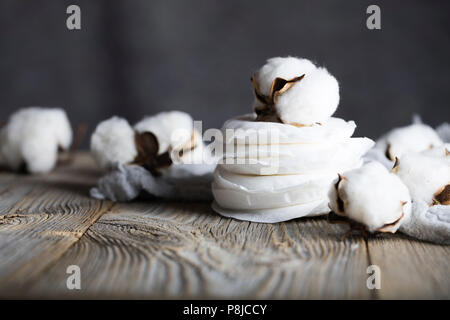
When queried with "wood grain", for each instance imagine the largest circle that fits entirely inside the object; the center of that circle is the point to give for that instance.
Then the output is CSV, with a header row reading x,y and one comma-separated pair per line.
x,y
411,269
162,250
158,249
40,218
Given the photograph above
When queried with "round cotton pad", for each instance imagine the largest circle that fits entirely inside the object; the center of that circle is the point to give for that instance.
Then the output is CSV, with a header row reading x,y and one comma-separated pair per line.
x,y
241,128
277,214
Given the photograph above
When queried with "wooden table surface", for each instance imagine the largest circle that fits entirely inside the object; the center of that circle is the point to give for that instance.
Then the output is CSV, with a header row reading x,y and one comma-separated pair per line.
x,y
157,249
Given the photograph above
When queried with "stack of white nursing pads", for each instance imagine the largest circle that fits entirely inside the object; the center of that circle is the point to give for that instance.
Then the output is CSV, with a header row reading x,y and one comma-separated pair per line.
x,y
274,172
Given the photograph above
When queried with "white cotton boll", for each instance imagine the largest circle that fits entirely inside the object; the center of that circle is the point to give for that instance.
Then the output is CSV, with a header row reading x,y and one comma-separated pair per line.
x,y
281,67
416,137
113,141
53,121
40,152
378,155
10,149
33,136
311,100
424,175
171,128
443,131
58,122
372,196
191,152
439,151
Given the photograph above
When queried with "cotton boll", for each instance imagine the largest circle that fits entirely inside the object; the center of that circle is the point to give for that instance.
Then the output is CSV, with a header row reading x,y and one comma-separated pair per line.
x,y
40,152
439,151
113,141
191,152
416,137
280,67
10,149
172,128
58,122
443,131
32,138
371,196
53,120
311,100
425,175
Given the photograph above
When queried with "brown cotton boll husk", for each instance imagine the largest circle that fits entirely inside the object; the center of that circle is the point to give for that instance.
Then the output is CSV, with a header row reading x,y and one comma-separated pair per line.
x,y
442,197
148,157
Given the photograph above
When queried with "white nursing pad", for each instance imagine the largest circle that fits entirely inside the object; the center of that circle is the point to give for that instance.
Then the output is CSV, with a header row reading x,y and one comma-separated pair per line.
x,y
302,157
254,183
286,166
243,128
263,179
235,199
314,208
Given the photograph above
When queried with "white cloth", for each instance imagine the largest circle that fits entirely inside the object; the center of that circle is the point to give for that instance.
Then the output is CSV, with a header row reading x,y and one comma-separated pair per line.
x,y
428,223
182,182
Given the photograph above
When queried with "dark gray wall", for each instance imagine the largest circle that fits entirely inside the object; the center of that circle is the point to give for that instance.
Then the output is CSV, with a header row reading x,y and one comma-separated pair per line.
x,y
133,58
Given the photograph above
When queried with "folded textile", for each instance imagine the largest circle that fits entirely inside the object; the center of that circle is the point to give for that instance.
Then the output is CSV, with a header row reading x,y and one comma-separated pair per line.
x,y
180,182
428,223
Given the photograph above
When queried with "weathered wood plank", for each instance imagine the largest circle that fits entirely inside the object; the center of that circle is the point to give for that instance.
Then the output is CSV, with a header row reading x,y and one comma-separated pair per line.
x,y
41,217
179,250
161,250
411,269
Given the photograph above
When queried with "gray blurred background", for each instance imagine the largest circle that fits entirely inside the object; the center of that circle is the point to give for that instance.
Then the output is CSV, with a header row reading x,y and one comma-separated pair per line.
x,y
136,57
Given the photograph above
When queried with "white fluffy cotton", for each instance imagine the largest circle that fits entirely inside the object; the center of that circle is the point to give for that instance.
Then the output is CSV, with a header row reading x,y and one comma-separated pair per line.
x,y
443,131
113,141
281,67
439,151
308,101
424,174
312,100
416,137
372,196
191,152
172,128
32,137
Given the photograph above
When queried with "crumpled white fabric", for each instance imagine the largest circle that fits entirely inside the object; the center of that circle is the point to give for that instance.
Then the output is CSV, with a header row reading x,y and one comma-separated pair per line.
x,y
428,223
179,182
